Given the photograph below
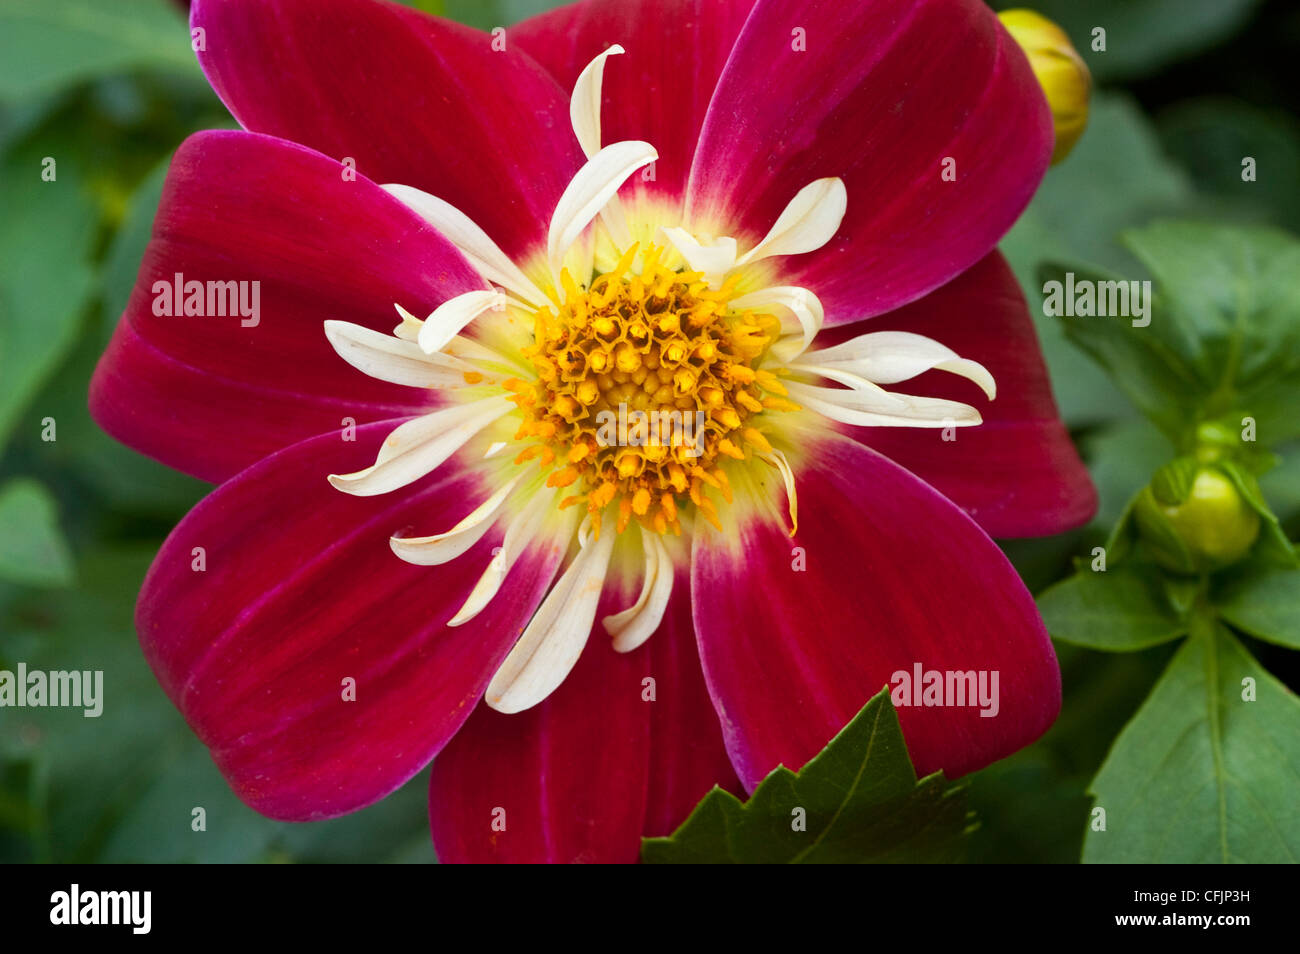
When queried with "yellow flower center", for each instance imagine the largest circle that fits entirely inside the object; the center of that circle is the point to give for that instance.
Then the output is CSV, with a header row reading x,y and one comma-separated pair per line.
x,y
647,383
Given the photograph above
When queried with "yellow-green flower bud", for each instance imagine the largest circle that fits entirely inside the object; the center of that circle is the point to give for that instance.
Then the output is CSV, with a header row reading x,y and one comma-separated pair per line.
x,y
1213,527
1060,70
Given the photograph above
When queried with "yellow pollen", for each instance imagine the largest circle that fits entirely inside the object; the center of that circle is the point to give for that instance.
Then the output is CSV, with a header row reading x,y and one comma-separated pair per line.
x,y
646,385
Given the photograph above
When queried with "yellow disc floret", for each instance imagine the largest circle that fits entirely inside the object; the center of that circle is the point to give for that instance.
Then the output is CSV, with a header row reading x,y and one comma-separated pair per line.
x,y
647,384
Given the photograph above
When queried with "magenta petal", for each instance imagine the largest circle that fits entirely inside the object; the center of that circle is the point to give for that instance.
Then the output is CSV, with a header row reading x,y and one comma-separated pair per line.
x,y
1018,474
607,758
885,92
659,89
896,576
209,395
687,756
409,98
298,592
567,778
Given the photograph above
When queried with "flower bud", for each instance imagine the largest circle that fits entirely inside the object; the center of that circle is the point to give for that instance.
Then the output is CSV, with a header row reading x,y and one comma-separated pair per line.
x,y
1211,528
1060,70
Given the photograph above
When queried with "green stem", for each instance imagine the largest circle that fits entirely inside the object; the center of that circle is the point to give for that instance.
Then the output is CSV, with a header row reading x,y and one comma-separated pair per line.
x,y
1203,625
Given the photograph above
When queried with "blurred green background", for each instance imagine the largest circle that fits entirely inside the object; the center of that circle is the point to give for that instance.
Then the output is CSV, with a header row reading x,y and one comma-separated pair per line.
x,y
1186,88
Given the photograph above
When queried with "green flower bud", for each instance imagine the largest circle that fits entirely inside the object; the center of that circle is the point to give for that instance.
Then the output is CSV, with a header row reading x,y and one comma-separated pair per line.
x,y
1212,527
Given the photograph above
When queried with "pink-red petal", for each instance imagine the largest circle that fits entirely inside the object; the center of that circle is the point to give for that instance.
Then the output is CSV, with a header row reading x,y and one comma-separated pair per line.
x,y
687,757
407,97
928,112
210,395
277,590
659,89
626,747
562,782
1018,473
889,575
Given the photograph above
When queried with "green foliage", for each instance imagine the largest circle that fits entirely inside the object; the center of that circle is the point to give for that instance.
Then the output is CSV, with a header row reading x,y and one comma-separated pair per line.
x,y
49,45
1118,610
1205,772
857,801
32,550
1116,178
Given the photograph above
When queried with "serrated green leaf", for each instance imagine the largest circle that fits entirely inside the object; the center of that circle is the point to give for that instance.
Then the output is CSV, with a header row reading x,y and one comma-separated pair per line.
x,y
32,549
860,802
1200,774
1121,609
1264,603
50,44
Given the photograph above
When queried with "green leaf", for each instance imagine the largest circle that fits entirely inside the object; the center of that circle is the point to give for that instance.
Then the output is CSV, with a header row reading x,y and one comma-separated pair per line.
x,y
1265,604
860,798
1201,774
122,264
47,279
1121,459
1233,295
32,550
51,44
1142,36
1172,483
1142,361
486,14
1121,609
1273,545
1117,177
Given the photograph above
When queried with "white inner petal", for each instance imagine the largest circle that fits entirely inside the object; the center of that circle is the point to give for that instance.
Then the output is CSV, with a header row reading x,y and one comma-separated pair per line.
x,y
850,380
451,317
475,244
591,189
523,530
420,446
800,302
779,461
888,357
391,359
584,104
554,638
409,329
714,260
869,409
444,547
635,625
810,221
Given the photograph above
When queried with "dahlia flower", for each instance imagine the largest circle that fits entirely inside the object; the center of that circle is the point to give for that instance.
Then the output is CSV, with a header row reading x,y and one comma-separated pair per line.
x,y
641,504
